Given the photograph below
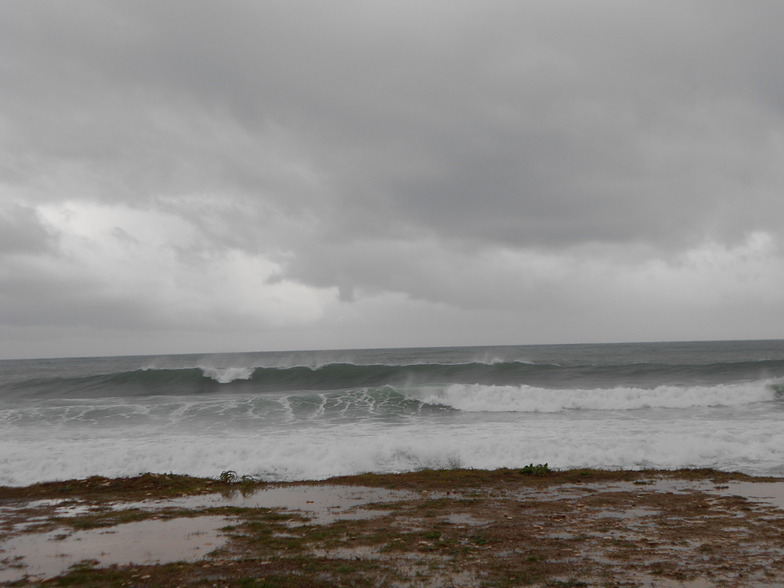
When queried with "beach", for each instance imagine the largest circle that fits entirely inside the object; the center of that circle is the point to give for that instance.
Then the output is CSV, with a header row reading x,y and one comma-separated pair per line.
x,y
459,527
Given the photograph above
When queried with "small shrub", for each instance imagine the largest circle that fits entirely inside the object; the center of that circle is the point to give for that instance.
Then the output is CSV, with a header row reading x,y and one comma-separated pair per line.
x,y
540,469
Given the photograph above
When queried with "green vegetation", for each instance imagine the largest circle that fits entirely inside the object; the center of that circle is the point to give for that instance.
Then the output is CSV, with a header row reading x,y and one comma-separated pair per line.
x,y
228,477
540,469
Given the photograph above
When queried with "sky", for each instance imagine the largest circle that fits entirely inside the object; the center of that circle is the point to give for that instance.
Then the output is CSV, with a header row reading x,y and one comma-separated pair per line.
x,y
206,176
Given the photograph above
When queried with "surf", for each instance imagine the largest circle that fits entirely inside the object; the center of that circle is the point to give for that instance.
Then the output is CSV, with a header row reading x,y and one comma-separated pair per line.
x,y
204,378
479,398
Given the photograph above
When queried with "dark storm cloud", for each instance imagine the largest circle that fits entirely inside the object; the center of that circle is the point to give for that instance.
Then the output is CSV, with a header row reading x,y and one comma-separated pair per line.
x,y
526,108
475,154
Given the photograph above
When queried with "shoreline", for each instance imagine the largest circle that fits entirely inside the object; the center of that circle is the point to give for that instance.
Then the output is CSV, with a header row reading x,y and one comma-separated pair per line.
x,y
503,527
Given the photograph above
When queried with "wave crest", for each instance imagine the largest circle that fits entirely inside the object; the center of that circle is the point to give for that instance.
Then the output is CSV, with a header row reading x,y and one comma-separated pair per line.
x,y
228,374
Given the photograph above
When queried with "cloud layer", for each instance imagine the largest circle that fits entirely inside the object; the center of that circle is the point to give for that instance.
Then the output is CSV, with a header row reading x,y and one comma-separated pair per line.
x,y
195,176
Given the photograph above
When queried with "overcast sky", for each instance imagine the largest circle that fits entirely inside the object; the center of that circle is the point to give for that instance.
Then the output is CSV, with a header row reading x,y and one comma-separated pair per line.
x,y
202,176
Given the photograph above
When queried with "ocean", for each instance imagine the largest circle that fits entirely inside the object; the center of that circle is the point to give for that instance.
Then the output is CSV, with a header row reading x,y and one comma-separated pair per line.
x,y
315,414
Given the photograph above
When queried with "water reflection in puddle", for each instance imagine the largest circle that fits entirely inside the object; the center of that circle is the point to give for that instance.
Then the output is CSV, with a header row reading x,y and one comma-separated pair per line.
x,y
44,555
770,493
321,504
49,554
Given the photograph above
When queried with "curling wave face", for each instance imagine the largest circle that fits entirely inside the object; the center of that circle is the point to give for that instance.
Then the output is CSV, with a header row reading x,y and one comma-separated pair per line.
x,y
203,379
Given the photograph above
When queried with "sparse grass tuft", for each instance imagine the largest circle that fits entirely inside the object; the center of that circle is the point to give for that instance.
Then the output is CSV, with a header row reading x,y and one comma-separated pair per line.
x,y
228,477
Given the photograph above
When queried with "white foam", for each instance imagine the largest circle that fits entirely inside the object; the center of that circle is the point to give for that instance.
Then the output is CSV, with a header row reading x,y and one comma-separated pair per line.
x,y
752,442
481,398
227,374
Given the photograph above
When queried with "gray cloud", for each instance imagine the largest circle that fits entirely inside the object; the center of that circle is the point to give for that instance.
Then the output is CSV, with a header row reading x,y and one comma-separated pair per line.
x,y
479,156
21,231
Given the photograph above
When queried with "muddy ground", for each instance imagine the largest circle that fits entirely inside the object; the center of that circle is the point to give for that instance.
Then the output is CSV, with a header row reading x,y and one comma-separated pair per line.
x,y
690,528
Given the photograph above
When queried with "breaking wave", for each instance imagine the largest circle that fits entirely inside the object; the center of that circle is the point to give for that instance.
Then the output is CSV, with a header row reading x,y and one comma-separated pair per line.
x,y
229,374
513,382
477,398
288,416
387,404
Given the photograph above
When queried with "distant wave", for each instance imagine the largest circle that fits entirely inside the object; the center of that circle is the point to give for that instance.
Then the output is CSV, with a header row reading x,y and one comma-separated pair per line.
x,y
512,379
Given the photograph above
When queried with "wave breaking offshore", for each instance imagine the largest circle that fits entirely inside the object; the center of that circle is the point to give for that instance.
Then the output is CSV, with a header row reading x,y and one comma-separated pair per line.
x,y
312,414
206,379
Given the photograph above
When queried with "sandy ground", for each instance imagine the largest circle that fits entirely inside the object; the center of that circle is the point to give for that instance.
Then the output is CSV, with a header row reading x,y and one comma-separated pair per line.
x,y
443,528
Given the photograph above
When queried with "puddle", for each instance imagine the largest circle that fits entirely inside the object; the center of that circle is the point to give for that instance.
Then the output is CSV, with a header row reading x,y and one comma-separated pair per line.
x,y
771,493
466,520
629,513
321,504
44,555
66,505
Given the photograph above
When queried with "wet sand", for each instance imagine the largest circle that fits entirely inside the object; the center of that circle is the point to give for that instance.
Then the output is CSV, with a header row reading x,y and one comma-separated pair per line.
x,y
439,528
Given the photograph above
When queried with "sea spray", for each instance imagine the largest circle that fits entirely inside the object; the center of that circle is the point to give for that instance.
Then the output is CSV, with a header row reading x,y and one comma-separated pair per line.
x,y
226,375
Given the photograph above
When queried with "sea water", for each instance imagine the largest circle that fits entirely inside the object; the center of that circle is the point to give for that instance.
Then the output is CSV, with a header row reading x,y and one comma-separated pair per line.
x,y
316,414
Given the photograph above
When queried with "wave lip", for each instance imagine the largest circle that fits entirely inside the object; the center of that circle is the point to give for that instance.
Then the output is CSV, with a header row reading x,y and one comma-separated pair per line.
x,y
228,374
481,398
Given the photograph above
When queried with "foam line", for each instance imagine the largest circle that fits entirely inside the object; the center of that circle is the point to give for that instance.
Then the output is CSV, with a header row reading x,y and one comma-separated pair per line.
x,y
480,398
320,452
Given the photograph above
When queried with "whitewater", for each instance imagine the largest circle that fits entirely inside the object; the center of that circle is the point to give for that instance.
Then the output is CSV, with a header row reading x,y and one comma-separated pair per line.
x,y
315,414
